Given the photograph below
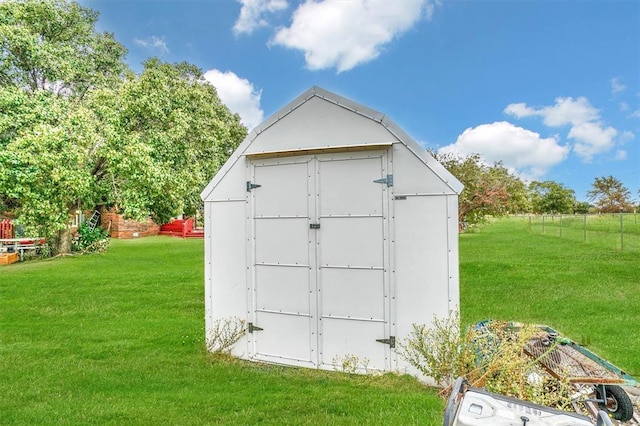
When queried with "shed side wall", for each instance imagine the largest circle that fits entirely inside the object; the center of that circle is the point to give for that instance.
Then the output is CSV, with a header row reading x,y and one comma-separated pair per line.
x,y
225,264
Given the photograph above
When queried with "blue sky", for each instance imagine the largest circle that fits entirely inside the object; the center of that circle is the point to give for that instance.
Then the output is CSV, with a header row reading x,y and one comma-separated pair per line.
x,y
551,88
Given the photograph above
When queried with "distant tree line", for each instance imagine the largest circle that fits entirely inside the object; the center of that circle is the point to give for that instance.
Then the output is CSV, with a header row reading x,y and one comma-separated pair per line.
x,y
492,190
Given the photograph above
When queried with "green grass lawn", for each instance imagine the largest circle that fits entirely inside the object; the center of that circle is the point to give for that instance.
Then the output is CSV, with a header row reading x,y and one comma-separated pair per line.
x,y
589,292
118,338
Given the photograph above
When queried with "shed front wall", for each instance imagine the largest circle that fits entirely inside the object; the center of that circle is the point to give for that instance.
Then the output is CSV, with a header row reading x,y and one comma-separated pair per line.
x,y
417,269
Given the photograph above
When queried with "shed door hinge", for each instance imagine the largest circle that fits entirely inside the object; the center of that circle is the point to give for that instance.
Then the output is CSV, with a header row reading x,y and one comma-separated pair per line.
x,y
386,180
251,328
391,341
251,186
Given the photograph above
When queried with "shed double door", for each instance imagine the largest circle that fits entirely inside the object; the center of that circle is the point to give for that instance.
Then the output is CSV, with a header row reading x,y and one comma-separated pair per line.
x,y
319,245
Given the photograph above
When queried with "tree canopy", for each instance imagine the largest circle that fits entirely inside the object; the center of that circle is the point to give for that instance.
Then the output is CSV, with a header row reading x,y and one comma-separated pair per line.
x,y
551,197
78,129
610,195
488,190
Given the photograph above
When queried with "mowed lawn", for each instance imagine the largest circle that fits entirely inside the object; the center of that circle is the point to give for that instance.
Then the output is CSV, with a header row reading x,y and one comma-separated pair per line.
x,y
118,338
587,291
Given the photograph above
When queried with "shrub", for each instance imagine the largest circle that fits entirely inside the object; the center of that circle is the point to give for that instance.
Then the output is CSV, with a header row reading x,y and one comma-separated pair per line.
x,y
88,240
490,356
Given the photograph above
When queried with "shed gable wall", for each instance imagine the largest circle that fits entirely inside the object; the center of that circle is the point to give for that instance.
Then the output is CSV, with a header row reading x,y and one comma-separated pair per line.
x,y
317,124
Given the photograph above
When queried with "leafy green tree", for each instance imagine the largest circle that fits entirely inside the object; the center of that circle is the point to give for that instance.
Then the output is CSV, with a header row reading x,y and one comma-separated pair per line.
x,y
609,195
78,130
486,188
52,45
582,207
551,197
170,133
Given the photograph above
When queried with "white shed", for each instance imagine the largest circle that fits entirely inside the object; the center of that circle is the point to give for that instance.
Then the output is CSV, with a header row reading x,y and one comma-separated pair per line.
x,y
330,231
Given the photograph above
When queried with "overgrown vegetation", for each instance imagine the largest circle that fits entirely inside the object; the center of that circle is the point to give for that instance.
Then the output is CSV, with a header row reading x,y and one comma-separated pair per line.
x,y
490,355
90,240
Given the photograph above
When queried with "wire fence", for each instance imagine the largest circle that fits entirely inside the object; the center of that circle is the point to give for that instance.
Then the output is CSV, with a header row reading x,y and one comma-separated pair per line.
x,y
614,230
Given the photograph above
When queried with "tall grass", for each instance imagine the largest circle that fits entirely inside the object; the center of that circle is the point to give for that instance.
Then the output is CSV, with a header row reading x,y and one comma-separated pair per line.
x,y
117,338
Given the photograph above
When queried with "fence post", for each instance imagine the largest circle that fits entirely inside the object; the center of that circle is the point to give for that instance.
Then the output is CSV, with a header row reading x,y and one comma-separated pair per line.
x,y
560,225
621,233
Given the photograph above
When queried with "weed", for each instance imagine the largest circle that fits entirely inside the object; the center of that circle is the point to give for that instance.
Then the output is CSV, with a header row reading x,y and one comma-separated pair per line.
x,y
225,333
351,364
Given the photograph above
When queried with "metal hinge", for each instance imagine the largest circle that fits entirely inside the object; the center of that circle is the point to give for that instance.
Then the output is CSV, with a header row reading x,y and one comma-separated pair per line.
x,y
251,186
251,328
391,341
387,180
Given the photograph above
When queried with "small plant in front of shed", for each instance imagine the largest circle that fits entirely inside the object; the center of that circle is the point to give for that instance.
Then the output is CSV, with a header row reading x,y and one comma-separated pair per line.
x,y
225,333
351,364
441,351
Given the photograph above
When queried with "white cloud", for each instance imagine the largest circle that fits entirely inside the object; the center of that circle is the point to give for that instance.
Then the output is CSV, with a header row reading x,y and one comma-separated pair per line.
x,y
344,34
239,95
626,136
617,86
253,14
621,155
565,111
591,136
519,149
592,139
154,44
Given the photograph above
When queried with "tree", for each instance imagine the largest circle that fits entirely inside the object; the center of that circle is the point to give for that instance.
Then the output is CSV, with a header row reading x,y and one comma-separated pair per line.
x,y
76,131
52,45
486,189
609,195
170,135
551,197
45,172
582,207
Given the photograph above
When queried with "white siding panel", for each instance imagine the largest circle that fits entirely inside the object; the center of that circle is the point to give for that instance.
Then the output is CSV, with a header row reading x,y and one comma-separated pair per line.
x,y
283,289
454,253
347,186
356,338
354,293
319,123
284,336
412,176
226,260
352,242
422,261
233,185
